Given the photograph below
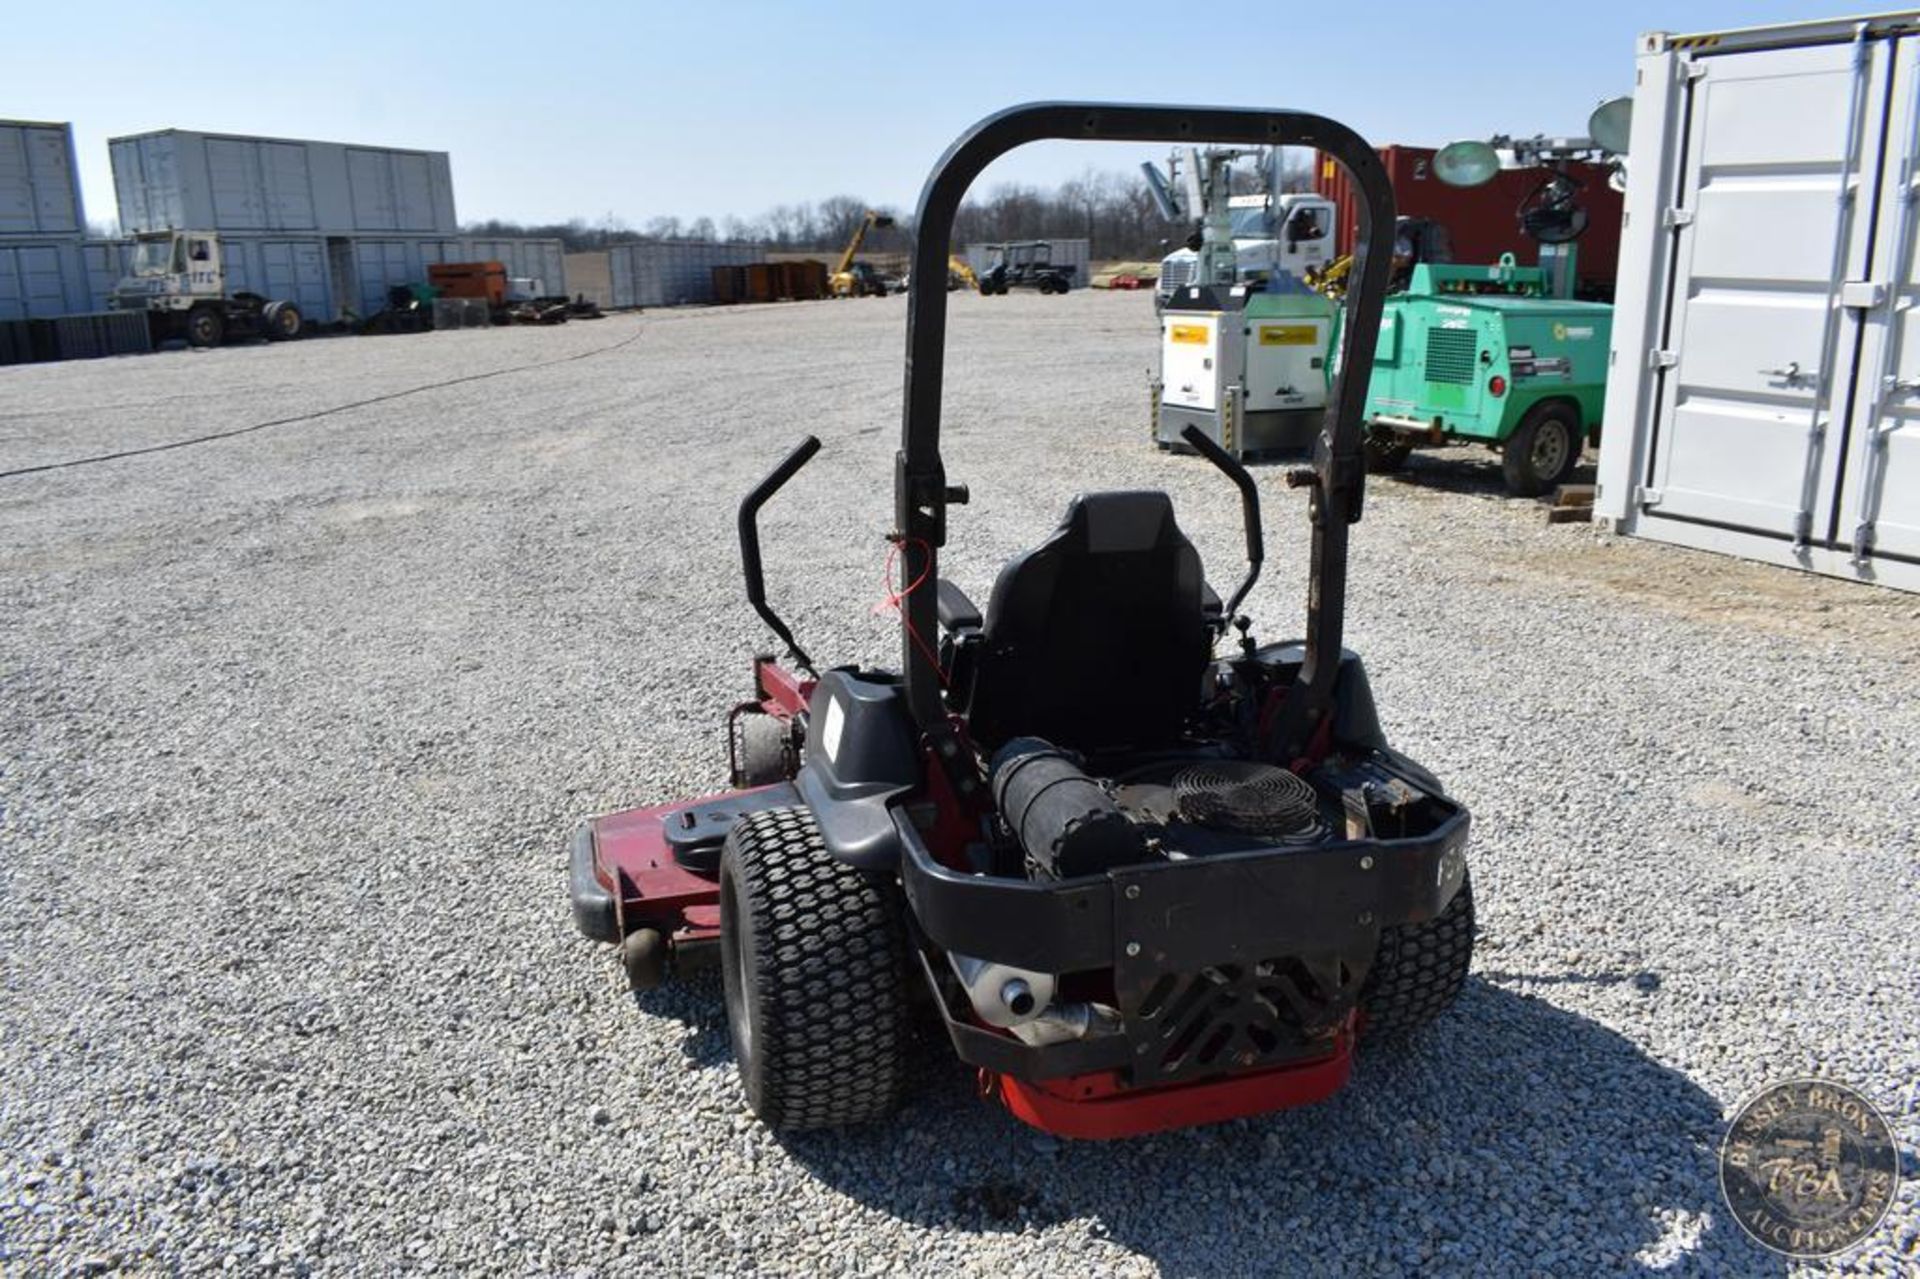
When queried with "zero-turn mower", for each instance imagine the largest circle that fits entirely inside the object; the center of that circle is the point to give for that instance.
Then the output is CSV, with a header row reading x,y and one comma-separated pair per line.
x,y
1142,884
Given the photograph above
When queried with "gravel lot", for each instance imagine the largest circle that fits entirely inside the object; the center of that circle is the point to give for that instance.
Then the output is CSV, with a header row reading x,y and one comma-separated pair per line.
x,y
294,726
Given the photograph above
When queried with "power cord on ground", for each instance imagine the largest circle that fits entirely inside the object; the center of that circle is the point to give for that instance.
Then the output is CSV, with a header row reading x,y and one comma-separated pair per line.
x,y
320,413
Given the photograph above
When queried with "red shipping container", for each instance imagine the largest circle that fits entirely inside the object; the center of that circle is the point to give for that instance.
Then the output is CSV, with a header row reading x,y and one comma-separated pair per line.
x,y
1483,222
763,282
729,283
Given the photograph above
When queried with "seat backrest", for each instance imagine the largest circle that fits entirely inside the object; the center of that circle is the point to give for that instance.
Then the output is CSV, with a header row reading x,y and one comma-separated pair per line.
x,y
1095,640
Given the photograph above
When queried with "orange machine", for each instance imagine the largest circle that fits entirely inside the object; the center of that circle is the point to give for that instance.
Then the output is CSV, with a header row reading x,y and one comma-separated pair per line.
x,y
470,280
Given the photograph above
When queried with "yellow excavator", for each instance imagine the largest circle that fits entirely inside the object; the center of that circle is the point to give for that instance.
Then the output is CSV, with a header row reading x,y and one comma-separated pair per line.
x,y
853,279
960,275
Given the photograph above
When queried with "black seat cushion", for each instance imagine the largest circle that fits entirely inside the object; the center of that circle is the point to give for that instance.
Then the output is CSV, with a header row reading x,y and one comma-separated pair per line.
x,y
1095,640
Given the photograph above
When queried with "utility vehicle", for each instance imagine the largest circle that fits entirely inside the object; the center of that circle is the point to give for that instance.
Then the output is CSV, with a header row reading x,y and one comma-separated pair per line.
x,y
180,280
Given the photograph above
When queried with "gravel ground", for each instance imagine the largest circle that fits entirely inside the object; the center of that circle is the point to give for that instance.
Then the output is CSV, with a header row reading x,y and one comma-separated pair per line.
x,y
295,725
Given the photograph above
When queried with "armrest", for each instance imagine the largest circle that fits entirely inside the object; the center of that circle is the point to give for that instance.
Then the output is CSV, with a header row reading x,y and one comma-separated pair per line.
x,y
955,610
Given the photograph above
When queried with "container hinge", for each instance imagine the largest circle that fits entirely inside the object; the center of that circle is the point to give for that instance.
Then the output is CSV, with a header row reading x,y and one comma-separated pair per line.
x,y
1658,359
1674,218
1644,496
1691,69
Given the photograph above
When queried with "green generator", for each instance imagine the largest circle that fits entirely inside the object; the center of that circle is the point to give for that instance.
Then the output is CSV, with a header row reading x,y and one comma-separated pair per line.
x,y
1485,353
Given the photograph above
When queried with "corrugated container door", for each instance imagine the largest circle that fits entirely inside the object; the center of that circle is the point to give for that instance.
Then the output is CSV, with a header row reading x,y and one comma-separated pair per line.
x,y
56,191
412,192
620,287
382,264
288,185
17,213
1879,513
129,186
240,265
1760,349
105,262
233,176
370,179
36,282
38,195
296,271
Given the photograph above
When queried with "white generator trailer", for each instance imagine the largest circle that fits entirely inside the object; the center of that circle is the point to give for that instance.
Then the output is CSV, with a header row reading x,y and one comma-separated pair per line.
x,y
1244,342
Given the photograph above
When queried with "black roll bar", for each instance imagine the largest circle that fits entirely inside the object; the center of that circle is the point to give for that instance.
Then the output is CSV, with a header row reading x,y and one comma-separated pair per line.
x,y
921,493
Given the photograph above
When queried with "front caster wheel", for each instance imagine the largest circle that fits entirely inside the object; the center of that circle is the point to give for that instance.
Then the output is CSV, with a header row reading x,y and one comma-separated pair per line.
x,y
644,957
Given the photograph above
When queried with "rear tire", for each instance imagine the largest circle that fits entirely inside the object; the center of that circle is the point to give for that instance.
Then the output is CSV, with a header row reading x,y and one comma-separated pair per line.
x,y
282,321
1419,968
1543,449
205,327
1385,456
813,964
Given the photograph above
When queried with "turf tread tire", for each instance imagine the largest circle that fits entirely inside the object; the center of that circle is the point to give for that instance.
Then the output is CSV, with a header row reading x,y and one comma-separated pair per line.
x,y
823,946
1419,968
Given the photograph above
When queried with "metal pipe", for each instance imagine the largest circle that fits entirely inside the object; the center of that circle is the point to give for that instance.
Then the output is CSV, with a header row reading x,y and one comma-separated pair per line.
x,y
1061,1022
1001,994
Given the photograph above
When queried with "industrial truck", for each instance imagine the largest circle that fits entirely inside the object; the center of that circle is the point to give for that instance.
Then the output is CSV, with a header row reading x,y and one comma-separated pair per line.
x,y
1142,869
179,280
1243,239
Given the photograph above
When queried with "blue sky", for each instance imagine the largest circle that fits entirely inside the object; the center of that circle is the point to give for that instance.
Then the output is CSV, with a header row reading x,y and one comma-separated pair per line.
x,y
641,109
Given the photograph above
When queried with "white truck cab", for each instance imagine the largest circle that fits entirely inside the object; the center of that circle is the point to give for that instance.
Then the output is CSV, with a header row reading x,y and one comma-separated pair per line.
x,y
1289,236
178,279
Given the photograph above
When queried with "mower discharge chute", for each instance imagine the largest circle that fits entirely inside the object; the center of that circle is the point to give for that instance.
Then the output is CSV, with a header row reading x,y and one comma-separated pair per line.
x,y
1144,885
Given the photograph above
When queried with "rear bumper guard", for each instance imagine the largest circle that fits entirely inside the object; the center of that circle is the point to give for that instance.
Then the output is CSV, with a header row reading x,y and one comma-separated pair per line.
x,y
1233,962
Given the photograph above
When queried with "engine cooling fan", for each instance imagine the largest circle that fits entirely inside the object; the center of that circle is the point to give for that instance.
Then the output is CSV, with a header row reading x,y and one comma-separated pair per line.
x,y
1248,797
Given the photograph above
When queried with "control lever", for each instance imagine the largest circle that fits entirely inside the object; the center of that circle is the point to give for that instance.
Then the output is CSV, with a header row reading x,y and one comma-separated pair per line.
x,y
1202,444
750,546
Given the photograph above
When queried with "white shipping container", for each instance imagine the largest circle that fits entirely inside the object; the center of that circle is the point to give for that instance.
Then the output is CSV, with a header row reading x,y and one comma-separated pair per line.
x,y
41,280
525,258
1764,398
671,272
1067,253
39,180
381,265
290,270
182,179
105,262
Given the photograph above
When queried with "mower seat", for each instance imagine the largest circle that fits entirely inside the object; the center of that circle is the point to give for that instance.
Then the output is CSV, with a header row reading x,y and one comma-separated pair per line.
x,y
1097,640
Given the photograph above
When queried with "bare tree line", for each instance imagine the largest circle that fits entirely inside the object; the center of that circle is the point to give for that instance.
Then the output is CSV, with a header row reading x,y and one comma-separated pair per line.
x,y
1112,210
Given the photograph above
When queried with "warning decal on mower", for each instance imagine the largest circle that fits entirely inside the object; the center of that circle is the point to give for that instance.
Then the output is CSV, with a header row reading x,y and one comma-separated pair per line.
x,y
1192,334
1289,335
